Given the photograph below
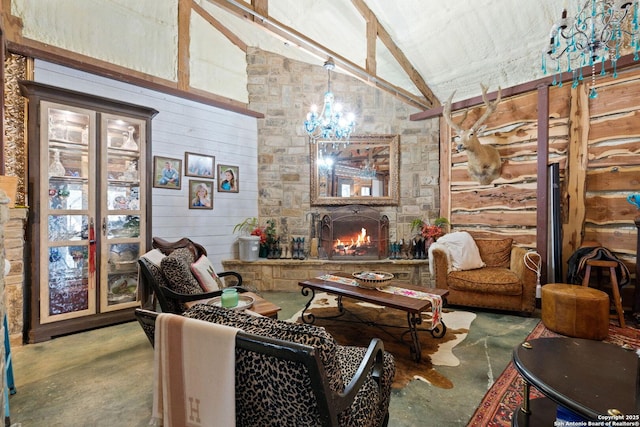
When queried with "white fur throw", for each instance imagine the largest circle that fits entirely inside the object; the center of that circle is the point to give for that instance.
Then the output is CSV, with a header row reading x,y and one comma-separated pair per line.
x,y
462,251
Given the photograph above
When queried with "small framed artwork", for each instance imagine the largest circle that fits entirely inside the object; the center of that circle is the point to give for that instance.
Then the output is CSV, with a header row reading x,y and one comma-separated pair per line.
x,y
228,179
199,165
167,172
200,194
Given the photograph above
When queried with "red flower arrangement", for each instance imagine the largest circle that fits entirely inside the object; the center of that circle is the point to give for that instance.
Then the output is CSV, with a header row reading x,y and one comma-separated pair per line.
x,y
432,231
259,231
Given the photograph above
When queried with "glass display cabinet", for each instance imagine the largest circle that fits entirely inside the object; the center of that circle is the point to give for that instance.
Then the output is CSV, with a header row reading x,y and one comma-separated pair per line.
x,y
88,217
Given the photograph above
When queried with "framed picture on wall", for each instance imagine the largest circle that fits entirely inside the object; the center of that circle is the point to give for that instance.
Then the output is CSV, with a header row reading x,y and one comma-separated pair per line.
x,y
228,179
167,172
200,194
199,165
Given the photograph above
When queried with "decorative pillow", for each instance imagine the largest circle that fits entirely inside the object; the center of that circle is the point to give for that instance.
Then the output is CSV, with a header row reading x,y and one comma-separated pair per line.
x,y
463,251
495,252
206,275
177,271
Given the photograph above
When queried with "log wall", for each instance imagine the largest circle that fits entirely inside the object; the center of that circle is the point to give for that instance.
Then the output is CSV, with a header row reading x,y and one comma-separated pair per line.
x,y
596,143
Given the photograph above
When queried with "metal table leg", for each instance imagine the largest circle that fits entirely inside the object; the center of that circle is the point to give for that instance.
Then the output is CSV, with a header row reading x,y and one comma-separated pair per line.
x,y
414,319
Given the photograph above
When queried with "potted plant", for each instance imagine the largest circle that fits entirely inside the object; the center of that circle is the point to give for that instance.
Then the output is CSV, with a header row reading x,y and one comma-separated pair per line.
x,y
247,226
249,240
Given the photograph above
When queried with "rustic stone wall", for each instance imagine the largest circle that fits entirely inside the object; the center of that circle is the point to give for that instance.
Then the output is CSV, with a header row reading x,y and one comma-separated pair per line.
x,y
14,251
284,90
284,275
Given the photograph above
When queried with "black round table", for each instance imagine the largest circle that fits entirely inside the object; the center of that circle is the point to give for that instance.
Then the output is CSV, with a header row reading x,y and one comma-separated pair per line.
x,y
590,378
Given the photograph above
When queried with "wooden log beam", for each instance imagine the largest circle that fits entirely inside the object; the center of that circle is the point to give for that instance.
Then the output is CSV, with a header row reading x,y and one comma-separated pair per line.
x,y
574,200
397,53
184,41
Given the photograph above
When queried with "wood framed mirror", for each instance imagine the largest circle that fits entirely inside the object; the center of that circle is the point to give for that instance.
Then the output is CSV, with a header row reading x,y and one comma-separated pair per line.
x,y
363,172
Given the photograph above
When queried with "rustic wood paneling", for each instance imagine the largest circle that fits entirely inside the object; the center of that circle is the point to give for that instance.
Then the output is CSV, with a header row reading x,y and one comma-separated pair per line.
x,y
497,218
610,209
620,240
501,197
521,237
614,179
616,126
596,142
616,95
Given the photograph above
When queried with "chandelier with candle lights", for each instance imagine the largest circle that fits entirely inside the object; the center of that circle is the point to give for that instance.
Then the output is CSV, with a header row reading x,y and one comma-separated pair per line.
x,y
330,123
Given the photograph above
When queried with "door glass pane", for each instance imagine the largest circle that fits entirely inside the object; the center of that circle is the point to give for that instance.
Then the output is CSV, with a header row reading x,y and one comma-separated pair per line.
x,y
123,226
68,227
68,279
123,273
69,195
123,197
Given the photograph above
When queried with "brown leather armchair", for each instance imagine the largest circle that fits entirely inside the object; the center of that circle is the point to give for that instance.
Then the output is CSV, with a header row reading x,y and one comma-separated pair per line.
x,y
508,282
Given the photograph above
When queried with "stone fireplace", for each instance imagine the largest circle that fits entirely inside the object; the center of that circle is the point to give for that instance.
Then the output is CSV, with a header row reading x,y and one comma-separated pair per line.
x,y
354,233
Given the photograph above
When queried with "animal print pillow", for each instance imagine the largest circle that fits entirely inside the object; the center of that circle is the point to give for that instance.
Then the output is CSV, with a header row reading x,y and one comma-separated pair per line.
x,y
177,271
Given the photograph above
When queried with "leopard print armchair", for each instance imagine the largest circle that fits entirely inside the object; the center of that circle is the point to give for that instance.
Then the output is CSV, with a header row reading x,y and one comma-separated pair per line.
x,y
296,374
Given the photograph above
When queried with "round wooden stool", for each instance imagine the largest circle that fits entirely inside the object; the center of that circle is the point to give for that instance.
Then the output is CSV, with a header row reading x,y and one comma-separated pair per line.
x,y
575,311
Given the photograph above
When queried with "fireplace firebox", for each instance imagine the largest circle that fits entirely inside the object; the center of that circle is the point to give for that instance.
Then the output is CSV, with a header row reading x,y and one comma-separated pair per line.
x,y
354,232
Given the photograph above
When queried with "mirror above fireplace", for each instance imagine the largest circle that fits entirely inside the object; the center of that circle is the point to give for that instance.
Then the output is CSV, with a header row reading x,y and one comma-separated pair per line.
x,y
364,172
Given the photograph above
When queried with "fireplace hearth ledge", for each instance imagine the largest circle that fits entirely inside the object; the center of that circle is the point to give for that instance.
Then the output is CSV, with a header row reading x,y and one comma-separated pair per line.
x,y
284,274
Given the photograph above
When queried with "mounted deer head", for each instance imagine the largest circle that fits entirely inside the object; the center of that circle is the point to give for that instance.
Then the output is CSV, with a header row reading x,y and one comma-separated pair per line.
x,y
484,163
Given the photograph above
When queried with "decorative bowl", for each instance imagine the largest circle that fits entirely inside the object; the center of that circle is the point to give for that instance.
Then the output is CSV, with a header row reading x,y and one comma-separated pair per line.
x,y
372,279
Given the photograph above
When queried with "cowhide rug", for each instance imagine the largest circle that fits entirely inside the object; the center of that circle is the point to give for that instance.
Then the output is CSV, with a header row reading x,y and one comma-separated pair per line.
x,y
349,330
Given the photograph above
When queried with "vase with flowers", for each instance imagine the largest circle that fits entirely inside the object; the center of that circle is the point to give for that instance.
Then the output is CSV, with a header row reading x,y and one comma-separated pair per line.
x,y
431,232
427,233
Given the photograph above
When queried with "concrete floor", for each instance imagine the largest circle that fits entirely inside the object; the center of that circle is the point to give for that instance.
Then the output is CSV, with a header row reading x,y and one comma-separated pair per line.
x,y
103,377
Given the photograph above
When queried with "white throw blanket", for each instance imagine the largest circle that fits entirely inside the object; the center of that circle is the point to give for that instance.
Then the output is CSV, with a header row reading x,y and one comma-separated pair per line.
x,y
194,373
462,252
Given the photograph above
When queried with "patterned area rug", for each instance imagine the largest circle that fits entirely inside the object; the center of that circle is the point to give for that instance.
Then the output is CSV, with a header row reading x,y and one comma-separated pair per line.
x,y
361,322
505,395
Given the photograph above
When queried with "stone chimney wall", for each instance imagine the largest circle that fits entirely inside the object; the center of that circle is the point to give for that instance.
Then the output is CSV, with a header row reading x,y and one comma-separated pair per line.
x,y
14,245
284,90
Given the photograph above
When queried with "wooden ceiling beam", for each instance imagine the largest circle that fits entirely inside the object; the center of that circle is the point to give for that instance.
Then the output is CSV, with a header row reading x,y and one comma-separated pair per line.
x,y
372,37
397,53
276,28
261,6
184,41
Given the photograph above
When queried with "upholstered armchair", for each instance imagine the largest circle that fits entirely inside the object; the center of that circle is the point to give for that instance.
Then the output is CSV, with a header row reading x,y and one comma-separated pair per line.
x,y
507,281
291,374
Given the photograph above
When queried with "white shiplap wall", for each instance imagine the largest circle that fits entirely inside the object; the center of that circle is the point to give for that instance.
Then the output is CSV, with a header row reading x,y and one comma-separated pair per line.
x,y
185,126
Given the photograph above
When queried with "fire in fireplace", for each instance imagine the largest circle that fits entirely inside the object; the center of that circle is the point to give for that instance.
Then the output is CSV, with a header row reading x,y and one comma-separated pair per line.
x,y
354,233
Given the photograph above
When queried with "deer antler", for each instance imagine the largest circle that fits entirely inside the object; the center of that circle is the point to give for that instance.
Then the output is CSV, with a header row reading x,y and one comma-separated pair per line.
x,y
446,113
491,107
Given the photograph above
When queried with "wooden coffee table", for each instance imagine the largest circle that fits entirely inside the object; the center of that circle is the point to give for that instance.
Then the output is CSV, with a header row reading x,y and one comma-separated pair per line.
x,y
260,305
414,307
